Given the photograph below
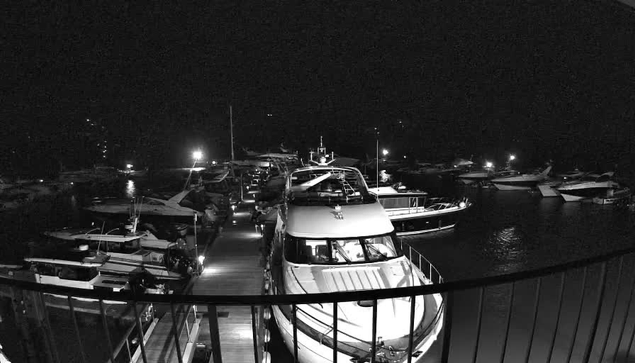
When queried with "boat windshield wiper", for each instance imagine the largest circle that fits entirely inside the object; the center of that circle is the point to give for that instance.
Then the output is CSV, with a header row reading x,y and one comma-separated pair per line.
x,y
341,251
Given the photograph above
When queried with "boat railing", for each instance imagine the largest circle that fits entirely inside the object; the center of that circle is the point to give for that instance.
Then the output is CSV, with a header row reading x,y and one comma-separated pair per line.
x,y
422,263
582,310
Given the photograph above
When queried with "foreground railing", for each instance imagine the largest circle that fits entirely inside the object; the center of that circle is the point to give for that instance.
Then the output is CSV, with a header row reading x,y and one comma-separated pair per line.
x,y
574,312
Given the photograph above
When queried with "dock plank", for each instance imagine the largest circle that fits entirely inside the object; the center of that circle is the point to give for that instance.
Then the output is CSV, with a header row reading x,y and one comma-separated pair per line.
x,y
234,265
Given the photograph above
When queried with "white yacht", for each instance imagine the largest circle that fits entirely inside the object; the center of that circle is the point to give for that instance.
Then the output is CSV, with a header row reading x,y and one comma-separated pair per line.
x,y
75,268
131,251
415,212
148,206
332,235
521,181
549,187
587,187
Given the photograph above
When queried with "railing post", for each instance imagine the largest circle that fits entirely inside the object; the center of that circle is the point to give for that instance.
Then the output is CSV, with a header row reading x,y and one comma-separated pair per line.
x,y
78,335
335,332
294,312
535,318
47,321
104,321
587,351
176,335
373,345
626,316
447,326
563,281
617,294
141,335
411,327
212,317
509,321
577,320
254,332
479,321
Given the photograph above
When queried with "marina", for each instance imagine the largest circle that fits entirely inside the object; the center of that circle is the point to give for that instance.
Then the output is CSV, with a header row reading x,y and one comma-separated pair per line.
x,y
166,193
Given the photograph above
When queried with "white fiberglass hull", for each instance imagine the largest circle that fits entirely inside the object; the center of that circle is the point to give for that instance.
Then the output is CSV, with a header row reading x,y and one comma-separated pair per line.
x,y
511,187
311,350
573,198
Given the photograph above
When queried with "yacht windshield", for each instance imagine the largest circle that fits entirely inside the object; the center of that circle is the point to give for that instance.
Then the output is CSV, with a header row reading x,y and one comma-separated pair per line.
x,y
340,251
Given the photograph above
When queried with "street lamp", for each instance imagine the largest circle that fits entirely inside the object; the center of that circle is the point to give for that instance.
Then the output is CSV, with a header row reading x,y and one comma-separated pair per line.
x,y
128,166
489,165
384,152
512,157
196,155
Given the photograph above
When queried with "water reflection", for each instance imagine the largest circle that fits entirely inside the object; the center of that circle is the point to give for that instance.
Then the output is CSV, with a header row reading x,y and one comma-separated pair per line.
x,y
131,190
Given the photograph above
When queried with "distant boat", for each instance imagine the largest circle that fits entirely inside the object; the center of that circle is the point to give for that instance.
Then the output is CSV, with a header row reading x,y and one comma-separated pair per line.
x,y
548,188
587,187
614,196
151,206
520,182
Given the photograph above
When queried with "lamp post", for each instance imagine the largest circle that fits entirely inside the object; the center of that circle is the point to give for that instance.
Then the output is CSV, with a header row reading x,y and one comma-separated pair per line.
x,y
196,155
377,157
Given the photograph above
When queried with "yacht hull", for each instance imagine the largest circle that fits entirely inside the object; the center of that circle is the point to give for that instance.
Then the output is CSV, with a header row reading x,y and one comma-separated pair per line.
x,y
311,350
573,198
512,187
425,222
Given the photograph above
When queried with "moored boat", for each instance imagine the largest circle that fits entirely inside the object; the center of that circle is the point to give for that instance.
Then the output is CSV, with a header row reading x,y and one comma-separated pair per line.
x,y
332,235
414,212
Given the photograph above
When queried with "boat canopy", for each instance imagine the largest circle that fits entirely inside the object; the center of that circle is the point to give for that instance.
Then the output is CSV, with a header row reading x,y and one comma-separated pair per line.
x,y
345,221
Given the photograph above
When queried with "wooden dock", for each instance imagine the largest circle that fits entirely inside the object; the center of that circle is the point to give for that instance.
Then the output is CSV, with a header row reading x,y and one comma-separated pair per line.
x,y
159,339
234,265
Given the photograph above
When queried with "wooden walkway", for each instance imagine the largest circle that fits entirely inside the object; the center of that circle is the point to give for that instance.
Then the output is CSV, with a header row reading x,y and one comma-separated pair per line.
x,y
234,265
160,344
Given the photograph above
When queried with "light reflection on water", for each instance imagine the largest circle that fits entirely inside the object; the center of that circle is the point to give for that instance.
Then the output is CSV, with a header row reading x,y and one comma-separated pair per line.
x,y
131,190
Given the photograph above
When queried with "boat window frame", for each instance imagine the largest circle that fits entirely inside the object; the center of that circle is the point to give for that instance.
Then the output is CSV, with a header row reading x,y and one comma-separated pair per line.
x,y
367,258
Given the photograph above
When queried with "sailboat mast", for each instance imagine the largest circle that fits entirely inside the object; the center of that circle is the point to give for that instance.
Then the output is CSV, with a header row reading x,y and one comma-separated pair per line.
x,y
231,130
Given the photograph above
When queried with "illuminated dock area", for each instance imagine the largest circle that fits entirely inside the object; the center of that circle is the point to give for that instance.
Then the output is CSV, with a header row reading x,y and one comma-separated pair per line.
x,y
233,265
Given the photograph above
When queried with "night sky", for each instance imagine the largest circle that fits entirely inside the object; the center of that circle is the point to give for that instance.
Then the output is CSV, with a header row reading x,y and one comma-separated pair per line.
x,y
544,79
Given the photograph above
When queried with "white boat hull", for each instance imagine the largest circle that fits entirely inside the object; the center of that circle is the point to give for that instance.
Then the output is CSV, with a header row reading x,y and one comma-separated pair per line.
x,y
508,187
312,351
572,198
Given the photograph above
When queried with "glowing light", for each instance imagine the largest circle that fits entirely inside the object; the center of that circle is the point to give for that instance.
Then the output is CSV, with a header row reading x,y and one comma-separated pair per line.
x,y
201,259
233,207
197,155
41,180
130,189
512,157
489,164
462,204
213,162
384,152
129,166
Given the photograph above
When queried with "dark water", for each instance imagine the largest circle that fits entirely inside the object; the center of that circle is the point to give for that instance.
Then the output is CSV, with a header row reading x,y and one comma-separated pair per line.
x,y
502,232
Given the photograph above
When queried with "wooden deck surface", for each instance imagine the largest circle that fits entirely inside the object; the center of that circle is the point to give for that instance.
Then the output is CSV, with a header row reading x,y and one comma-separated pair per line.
x,y
161,347
234,265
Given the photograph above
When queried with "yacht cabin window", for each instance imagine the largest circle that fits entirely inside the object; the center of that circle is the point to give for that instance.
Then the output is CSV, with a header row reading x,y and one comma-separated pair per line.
x,y
340,251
